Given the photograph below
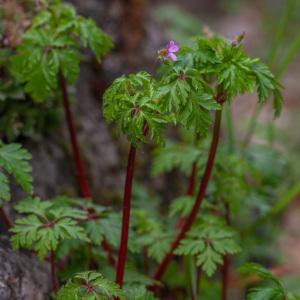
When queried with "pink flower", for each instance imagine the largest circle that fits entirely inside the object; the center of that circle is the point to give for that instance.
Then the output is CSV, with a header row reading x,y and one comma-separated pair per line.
x,y
169,51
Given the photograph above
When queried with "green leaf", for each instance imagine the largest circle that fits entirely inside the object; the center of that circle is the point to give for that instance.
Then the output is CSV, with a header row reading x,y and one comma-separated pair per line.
x,y
14,159
108,226
35,66
69,62
4,188
52,44
269,293
90,286
131,102
175,155
182,206
265,293
46,226
92,36
263,273
138,293
209,243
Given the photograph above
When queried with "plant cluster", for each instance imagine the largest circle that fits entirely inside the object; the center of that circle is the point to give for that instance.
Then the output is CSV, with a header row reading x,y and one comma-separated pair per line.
x,y
230,191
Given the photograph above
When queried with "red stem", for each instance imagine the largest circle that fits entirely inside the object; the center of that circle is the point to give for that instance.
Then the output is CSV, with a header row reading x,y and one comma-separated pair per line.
x,y
189,192
126,216
106,246
84,188
192,180
5,217
53,273
202,190
225,277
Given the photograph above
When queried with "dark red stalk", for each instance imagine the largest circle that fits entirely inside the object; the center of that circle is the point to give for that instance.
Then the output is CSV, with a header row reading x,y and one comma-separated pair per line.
x,y
5,218
225,277
126,216
106,246
202,190
192,180
191,187
84,188
53,273
189,192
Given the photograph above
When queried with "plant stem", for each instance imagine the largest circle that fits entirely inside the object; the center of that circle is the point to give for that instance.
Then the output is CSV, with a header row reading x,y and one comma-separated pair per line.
x,y
5,218
229,126
191,185
107,248
192,180
126,216
225,277
84,188
53,273
202,190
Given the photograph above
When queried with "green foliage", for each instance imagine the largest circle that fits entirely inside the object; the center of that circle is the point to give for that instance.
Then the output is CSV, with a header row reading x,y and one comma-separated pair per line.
x,y
20,115
275,292
52,45
230,182
14,160
186,87
108,226
184,92
209,242
90,286
132,103
138,293
150,234
45,226
182,206
177,155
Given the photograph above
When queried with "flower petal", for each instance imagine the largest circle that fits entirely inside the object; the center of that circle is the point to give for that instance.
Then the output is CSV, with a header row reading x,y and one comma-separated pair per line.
x,y
172,47
172,56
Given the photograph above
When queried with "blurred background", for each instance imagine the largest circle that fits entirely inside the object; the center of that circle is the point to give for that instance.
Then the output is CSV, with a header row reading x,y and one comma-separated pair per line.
x,y
139,29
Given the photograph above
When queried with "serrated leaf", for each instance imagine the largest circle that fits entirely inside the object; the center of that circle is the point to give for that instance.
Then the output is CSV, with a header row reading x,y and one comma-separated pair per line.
x,y
4,189
138,293
253,268
14,159
265,293
209,243
131,102
175,155
52,44
181,205
90,286
46,226
92,36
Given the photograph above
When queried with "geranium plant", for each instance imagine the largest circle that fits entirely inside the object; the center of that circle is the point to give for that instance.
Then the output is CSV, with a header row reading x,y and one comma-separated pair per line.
x,y
130,252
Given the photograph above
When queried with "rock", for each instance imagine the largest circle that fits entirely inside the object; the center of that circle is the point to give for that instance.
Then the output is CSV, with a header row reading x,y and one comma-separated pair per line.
x,y
22,276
